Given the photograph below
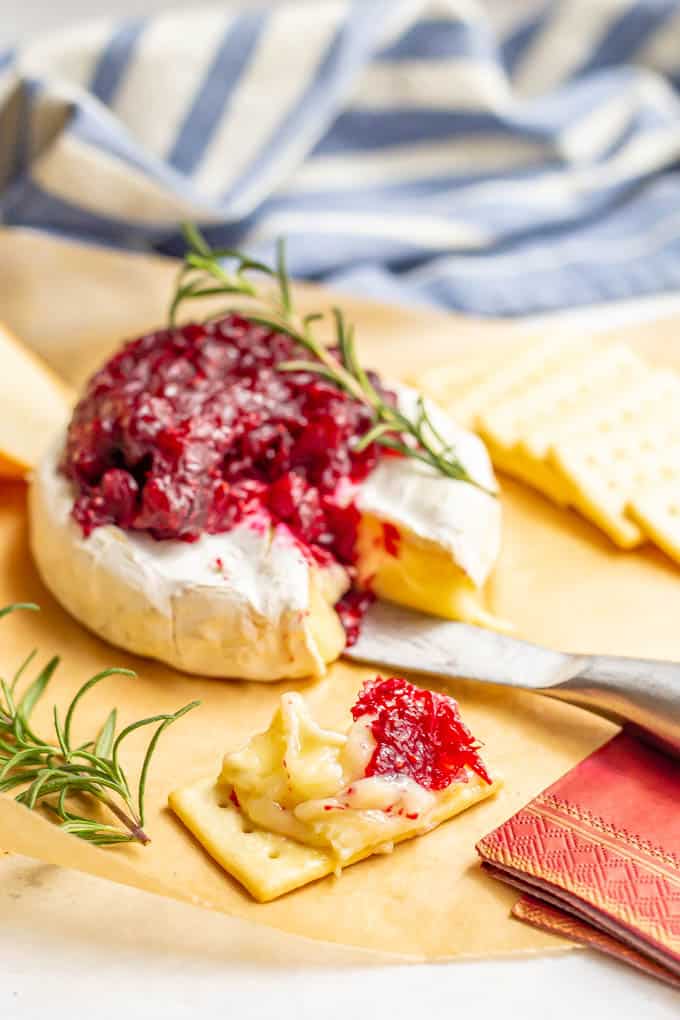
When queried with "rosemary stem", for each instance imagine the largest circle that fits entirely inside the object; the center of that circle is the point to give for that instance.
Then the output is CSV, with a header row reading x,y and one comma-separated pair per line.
x,y
203,275
129,823
46,771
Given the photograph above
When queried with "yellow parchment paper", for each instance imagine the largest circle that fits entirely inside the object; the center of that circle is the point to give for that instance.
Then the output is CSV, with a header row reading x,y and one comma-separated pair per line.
x,y
558,580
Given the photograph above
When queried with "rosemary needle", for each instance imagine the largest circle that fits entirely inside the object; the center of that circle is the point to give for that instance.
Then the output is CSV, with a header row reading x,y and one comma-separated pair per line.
x,y
50,774
203,274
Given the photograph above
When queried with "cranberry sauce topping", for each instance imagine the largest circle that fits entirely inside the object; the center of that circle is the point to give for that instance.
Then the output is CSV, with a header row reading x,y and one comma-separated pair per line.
x,y
418,734
191,430
351,609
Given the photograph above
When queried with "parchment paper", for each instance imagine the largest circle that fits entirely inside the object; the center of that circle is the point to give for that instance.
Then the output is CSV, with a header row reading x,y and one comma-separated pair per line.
x,y
558,580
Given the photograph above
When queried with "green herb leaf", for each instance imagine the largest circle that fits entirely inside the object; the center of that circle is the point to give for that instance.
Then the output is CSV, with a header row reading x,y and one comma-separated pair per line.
x,y
22,668
204,274
372,436
168,721
102,749
49,773
18,605
88,685
35,691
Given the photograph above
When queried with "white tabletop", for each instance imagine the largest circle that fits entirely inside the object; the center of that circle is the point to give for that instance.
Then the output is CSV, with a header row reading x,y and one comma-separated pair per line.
x,y
133,959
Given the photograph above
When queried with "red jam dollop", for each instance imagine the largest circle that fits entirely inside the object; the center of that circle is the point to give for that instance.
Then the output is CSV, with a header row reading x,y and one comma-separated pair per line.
x,y
193,429
418,734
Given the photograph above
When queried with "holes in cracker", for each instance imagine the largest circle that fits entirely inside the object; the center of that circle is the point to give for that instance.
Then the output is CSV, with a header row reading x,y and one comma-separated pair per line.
x,y
273,854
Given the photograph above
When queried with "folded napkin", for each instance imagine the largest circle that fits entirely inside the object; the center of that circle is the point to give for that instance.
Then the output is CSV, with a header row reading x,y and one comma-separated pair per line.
x,y
493,157
599,855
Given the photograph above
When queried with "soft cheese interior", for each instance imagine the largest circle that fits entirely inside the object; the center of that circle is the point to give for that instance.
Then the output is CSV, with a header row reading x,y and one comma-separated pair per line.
x,y
309,784
448,531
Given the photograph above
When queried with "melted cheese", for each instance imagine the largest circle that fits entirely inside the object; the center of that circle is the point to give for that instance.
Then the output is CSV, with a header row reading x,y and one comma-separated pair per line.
x,y
448,530
420,575
308,784
462,520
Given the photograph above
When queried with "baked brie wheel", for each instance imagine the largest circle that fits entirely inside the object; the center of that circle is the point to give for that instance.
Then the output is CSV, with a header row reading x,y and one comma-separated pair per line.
x,y
243,604
217,512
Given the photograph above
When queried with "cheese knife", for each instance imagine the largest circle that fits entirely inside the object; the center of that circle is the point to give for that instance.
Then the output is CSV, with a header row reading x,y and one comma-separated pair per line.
x,y
643,694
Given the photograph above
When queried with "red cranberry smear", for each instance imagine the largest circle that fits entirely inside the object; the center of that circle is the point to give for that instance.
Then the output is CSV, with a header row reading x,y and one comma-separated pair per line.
x,y
418,734
190,430
391,538
351,609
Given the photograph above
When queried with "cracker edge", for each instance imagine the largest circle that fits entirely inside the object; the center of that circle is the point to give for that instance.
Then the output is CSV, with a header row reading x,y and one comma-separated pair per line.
x,y
267,864
646,517
621,529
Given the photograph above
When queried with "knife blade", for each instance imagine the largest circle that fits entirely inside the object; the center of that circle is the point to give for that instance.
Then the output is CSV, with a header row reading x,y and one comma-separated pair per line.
x,y
641,693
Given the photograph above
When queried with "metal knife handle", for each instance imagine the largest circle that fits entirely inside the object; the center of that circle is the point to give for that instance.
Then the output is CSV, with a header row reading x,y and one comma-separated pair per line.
x,y
642,693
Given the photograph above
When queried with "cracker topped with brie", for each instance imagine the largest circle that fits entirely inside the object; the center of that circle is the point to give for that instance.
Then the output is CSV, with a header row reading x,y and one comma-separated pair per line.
x,y
227,505
299,802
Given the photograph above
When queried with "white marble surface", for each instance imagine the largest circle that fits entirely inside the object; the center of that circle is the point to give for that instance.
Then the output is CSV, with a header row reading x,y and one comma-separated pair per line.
x,y
133,957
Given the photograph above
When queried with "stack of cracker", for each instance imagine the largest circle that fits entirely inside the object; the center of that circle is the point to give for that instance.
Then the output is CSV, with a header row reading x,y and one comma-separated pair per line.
x,y
593,427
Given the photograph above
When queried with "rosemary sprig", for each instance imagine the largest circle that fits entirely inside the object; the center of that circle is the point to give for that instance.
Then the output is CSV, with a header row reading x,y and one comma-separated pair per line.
x,y
49,774
203,274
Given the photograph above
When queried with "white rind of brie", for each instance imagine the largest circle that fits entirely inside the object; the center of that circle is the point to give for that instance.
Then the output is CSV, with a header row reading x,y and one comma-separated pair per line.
x,y
248,603
461,519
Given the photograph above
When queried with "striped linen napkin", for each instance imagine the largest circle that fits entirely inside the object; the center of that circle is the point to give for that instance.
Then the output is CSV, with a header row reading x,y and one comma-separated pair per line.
x,y
493,157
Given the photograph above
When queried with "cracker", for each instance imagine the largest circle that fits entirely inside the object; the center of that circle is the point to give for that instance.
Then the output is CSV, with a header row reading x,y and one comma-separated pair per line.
x,y
539,474
453,376
267,864
592,427
270,865
618,450
542,436
654,396
600,488
519,372
448,384
657,511
560,399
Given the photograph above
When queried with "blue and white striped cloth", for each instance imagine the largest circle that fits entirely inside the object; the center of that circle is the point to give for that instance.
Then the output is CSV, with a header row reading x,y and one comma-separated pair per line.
x,y
492,157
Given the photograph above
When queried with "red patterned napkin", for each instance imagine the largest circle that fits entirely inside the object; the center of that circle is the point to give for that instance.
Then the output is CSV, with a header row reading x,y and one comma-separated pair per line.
x,y
599,854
